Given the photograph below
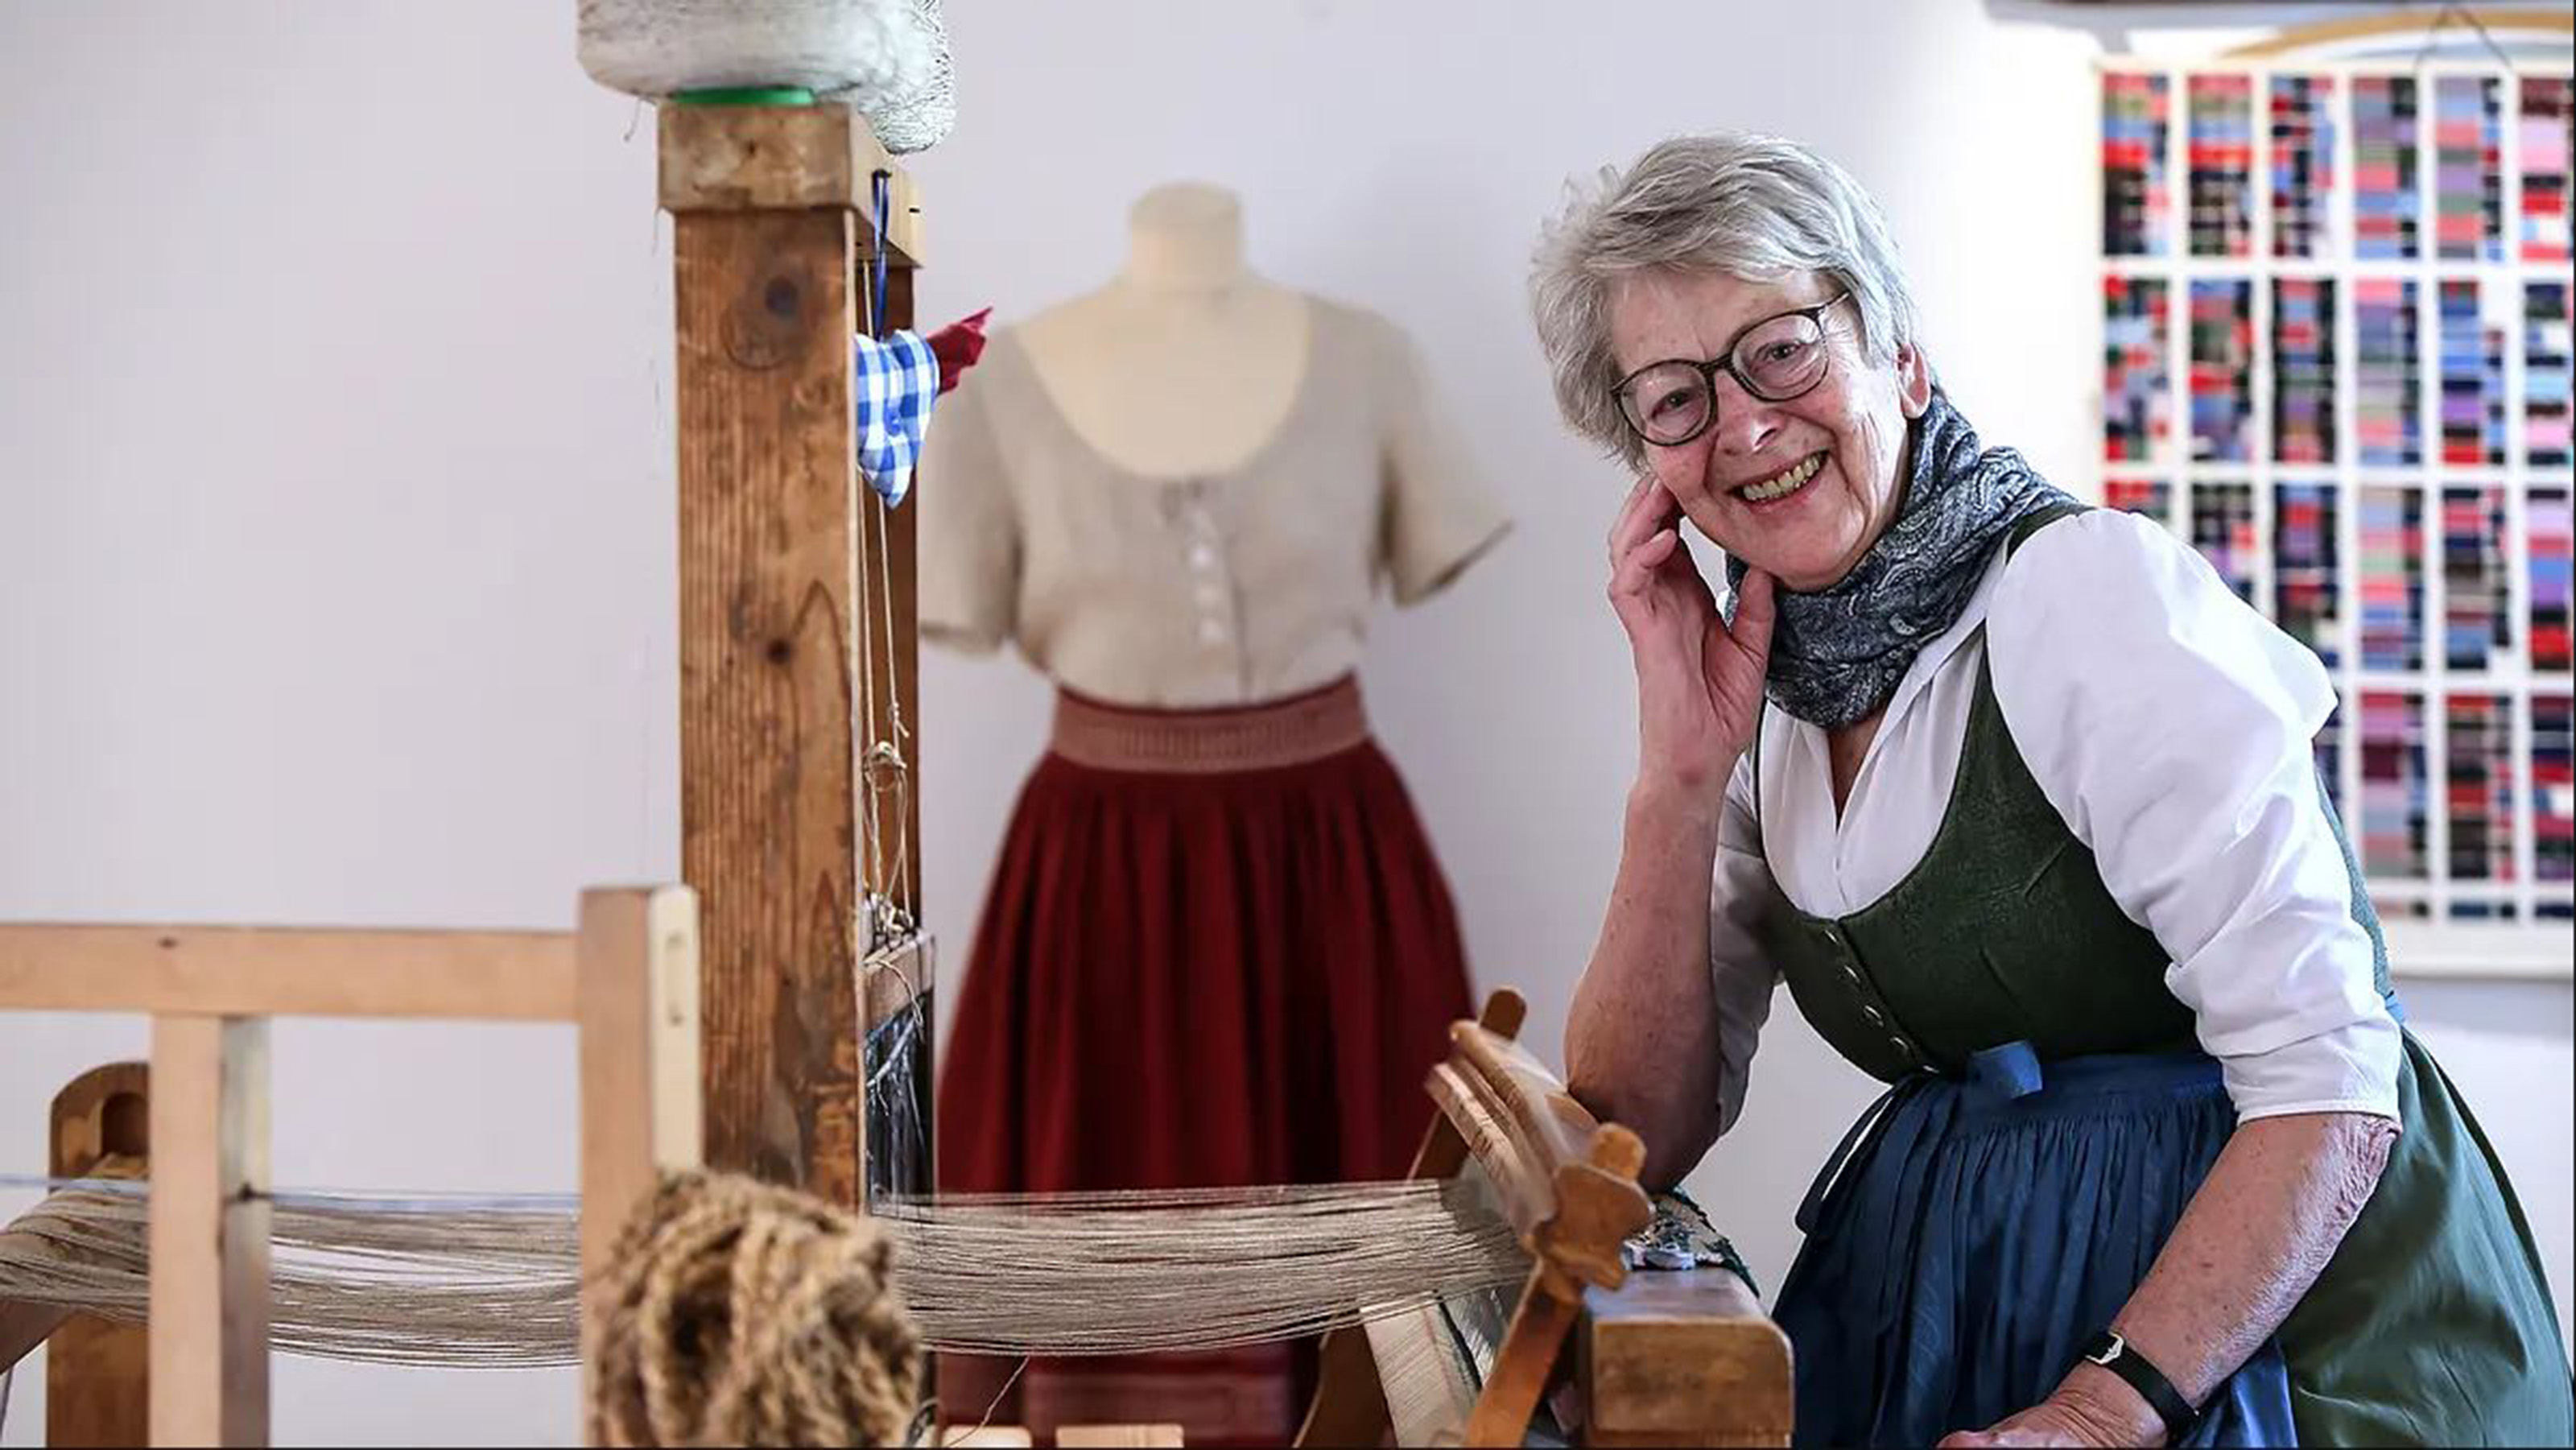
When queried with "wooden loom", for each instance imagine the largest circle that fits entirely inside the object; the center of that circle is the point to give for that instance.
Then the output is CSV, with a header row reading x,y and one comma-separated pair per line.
x,y
1662,1358
786,569
788,573
626,979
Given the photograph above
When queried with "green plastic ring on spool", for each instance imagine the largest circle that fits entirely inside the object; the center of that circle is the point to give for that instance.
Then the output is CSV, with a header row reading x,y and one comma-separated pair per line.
x,y
746,96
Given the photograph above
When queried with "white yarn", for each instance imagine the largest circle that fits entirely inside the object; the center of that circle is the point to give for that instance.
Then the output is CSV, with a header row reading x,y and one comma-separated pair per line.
x,y
467,1284
921,118
887,58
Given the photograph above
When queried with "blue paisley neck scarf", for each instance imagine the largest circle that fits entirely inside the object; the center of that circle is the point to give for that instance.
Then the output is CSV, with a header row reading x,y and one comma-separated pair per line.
x,y
1837,654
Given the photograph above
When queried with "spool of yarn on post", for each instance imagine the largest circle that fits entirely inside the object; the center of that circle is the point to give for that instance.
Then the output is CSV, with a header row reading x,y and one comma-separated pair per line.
x,y
887,59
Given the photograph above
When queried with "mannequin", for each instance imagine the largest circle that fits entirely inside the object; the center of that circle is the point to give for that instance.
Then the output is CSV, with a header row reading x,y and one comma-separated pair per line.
x,y
1187,361
1217,948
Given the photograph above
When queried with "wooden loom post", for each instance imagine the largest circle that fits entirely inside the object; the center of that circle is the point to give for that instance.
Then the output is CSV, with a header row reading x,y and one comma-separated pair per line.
x,y
209,1230
97,1371
628,979
770,207
637,971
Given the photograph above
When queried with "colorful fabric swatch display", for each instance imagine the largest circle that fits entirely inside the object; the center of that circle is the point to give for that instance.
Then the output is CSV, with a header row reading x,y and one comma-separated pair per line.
x,y
2477,614
2549,528
2547,144
2220,161
2394,826
2303,367
2478,796
2387,406
2222,528
2149,496
2392,579
2303,148
2342,364
2472,379
2553,789
2136,109
2307,579
2222,371
2468,168
2548,376
2387,201
2137,388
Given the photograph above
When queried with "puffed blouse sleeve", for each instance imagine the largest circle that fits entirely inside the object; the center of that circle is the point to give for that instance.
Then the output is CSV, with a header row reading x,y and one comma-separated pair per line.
x,y
2172,727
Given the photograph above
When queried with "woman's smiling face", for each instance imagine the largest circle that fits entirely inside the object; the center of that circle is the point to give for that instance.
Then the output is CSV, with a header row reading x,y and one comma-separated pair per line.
x,y
1799,488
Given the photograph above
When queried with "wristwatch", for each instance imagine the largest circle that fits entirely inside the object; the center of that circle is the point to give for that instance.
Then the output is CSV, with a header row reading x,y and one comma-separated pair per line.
x,y
2111,1351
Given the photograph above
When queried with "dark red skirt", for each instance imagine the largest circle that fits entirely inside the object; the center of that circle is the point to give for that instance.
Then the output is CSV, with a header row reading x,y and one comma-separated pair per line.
x,y
1218,951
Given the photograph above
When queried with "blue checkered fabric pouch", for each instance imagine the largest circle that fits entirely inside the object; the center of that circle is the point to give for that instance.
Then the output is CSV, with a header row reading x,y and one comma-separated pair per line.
x,y
896,384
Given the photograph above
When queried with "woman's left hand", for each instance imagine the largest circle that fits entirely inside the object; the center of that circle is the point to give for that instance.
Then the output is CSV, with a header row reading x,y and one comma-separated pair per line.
x,y
2072,1416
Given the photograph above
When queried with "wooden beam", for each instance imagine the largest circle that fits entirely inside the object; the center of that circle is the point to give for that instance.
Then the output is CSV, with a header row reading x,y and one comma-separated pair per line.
x,y
639,1068
209,1231
765,241
97,1371
784,158
2329,34
1684,1358
234,971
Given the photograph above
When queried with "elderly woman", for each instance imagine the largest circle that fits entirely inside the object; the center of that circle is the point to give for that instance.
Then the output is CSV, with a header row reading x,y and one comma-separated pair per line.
x,y
2019,800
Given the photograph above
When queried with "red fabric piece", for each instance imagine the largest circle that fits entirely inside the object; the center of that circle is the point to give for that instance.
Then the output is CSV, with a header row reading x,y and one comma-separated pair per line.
x,y
958,346
1187,981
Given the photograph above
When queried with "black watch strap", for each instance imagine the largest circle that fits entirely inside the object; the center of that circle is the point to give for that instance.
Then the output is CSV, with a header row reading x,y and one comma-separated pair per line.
x,y
2113,1353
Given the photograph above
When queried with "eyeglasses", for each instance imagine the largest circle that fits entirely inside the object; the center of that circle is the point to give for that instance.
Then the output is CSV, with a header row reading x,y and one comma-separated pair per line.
x,y
1670,403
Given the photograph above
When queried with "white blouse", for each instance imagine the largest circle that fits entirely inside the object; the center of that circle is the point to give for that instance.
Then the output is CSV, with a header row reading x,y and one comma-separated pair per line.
x,y
2171,726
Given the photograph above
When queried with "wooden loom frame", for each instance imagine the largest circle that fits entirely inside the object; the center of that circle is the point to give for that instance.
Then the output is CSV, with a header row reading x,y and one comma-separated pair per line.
x,y
788,571
773,233
626,979
1664,1358
1668,1358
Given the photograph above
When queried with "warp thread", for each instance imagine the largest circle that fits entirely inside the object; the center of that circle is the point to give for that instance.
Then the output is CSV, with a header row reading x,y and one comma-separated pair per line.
x,y
463,1281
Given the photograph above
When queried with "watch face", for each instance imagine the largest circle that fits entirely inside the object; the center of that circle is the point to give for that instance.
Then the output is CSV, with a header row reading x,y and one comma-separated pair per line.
x,y
2112,1346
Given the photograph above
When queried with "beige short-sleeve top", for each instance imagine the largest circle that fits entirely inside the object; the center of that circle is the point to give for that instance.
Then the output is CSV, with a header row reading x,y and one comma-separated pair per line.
x,y
1249,584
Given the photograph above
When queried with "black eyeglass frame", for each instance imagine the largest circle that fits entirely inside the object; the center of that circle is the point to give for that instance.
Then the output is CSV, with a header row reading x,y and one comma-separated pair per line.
x,y
1724,362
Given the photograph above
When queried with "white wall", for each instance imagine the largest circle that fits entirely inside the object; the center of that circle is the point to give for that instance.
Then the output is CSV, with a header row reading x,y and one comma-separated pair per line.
x,y
335,488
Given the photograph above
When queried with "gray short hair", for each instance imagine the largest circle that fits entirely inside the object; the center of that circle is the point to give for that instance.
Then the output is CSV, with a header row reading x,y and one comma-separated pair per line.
x,y
1755,207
